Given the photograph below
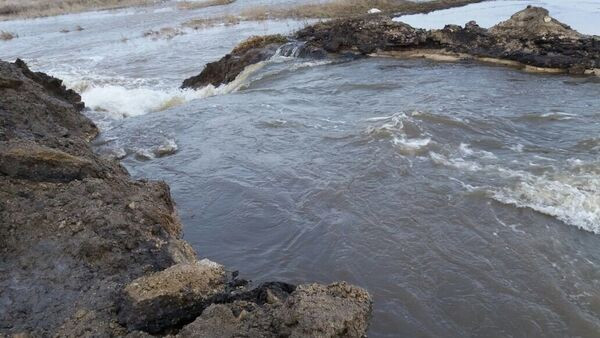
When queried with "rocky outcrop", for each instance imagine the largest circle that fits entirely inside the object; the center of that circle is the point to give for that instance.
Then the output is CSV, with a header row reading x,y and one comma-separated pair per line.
x,y
167,298
336,310
530,39
85,251
250,52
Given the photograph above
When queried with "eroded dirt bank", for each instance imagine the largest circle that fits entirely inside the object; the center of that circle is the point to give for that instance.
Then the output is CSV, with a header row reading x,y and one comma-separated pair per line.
x,y
531,39
87,251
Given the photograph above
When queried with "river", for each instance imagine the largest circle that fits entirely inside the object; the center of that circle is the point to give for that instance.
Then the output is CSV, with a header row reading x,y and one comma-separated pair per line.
x,y
464,197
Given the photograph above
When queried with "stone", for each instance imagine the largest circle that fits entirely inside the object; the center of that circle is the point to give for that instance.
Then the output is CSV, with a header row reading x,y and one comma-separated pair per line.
x,y
31,161
156,302
312,310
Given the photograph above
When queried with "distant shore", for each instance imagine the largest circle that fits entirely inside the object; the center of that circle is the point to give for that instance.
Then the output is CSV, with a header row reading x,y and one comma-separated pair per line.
x,y
23,9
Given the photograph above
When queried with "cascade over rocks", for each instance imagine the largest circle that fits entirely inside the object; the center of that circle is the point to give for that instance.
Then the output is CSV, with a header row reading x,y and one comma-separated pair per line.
x,y
86,251
530,39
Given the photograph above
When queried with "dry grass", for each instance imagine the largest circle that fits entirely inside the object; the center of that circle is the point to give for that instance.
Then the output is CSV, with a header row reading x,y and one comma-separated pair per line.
x,y
258,41
76,29
166,33
10,9
5,36
227,20
328,10
202,4
347,8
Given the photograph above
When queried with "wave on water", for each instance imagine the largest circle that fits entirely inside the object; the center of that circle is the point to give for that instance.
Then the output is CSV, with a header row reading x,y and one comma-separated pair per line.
x,y
570,194
466,150
119,102
403,132
550,116
119,97
571,199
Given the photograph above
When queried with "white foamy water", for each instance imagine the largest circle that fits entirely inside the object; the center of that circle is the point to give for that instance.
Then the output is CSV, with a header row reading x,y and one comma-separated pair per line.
x,y
411,146
118,97
120,102
572,194
403,131
572,199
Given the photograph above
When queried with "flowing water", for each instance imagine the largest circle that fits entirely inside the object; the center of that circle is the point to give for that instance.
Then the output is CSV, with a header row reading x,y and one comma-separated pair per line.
x,y
464,197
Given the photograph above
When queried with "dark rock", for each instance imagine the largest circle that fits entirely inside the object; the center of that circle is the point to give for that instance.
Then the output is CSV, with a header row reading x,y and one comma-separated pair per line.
x,y
336,310
67,240
10,83
253,50
365,34
30,161
53,85
229,67
165,299
24,110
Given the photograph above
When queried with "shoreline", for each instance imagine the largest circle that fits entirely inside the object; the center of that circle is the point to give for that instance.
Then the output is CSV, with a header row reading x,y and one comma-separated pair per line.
x,y
530,40
101,254
441,55
333,9
32,10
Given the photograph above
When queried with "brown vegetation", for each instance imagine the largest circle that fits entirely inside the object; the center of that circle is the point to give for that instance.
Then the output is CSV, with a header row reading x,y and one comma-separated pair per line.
x,y
163,33
5,36
258,42
37,8
227,20
328,10
202,4
347,8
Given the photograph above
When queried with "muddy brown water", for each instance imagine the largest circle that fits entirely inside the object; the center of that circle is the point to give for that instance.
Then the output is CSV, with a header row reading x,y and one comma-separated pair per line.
x,y
464,197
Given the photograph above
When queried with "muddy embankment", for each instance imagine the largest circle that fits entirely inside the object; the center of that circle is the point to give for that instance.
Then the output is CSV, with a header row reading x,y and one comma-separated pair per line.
x,y
85,250
530,40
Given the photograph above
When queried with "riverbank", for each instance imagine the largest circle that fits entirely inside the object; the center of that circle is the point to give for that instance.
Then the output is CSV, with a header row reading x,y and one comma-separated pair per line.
x,y
531,40
333,9
349,8
463,197
39,8
88,251
329,9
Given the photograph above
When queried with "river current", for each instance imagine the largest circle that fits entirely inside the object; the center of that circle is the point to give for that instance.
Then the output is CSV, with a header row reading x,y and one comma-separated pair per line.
x,y
464,197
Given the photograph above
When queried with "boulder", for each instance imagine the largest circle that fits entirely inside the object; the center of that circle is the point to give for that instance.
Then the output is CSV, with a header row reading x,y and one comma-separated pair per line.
x,y
532,23
31,161
251,51
312,310
162,300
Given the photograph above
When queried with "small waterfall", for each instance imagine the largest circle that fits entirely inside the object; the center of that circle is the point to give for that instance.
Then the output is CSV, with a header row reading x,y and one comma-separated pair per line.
x,y
291,49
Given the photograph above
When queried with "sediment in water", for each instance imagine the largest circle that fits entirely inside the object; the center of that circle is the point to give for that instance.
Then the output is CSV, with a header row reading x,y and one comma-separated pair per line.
x,y
530,39
87,251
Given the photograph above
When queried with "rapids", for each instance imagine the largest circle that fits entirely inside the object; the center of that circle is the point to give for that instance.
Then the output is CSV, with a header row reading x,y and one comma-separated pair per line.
x,y
464,197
